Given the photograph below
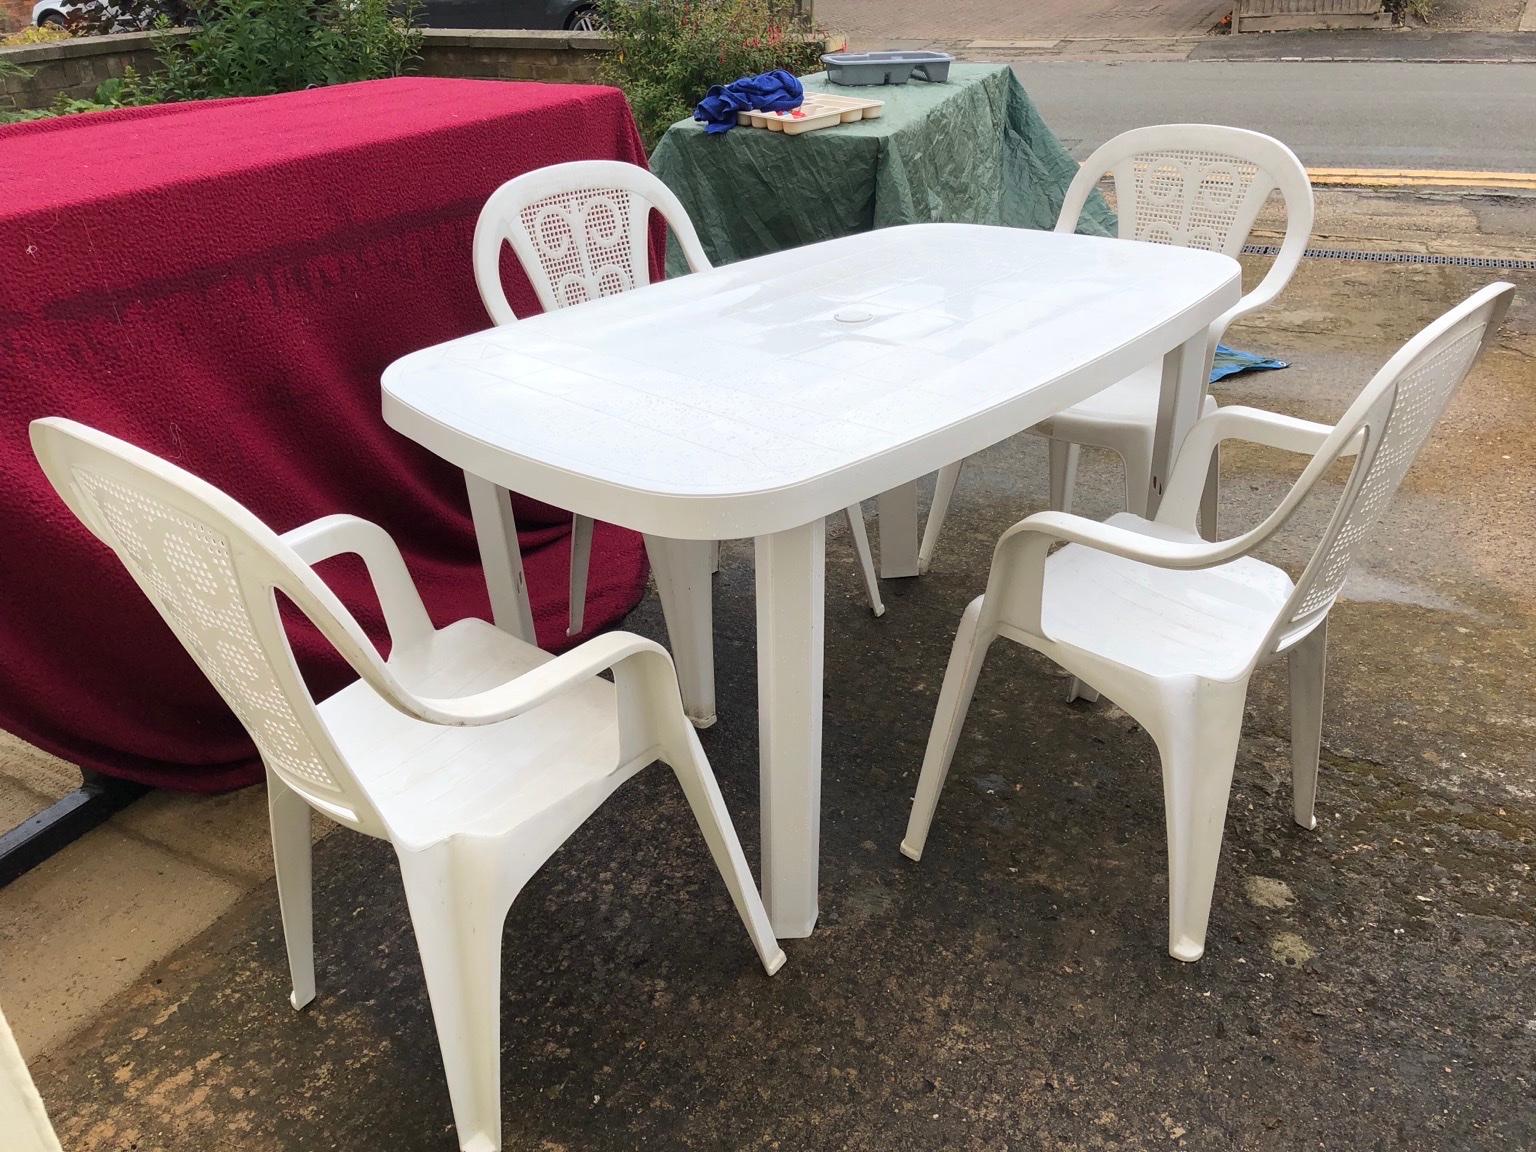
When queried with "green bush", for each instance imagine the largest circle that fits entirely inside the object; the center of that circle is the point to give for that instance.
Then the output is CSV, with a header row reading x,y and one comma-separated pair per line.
x,y
667,53
258,47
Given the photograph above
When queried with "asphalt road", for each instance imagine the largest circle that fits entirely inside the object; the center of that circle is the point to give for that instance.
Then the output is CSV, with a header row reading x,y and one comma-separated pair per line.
x,y
1336,115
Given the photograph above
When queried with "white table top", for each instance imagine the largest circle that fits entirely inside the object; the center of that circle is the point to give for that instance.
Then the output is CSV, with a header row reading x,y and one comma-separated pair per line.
x,y
762,395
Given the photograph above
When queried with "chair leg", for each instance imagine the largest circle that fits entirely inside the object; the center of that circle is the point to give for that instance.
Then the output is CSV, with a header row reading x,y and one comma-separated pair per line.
x,y
1308,661
1063,467
855,514
581,560
458,919
703,792
1210,497
1077,690
1199,754
1138,477
943,493
714,557
965,660
687,593
290,815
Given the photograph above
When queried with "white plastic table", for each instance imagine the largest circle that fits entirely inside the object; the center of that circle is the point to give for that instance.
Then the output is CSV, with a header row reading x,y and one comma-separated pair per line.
x,y
760,397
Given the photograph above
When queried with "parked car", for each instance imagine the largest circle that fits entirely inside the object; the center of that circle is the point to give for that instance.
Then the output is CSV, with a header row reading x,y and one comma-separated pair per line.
x,y
571,15
96,15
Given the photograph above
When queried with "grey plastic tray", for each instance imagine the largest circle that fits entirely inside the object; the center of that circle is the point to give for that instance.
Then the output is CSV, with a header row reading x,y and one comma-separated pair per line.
x,y
865,68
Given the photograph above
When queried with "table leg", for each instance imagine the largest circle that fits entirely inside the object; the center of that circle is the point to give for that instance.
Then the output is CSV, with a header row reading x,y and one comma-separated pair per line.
x,y
899,537
1178,407
791,577
683,572
500,557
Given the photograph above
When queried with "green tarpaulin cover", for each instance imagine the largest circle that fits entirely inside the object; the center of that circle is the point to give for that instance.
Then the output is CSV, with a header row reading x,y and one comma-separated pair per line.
x,y
971,151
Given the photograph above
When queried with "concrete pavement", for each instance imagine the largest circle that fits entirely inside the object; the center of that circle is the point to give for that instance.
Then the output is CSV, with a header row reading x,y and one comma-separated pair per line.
x,y
1367,984
870,20
1366,115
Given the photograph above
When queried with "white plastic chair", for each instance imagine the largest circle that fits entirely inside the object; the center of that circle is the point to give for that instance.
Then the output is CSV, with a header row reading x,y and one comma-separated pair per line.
x,y
23,1120
473,753
1195,186
582,231
1171,626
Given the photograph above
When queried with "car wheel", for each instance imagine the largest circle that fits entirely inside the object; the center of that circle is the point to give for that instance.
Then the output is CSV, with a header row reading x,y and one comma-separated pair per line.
x,y
53,20
585,18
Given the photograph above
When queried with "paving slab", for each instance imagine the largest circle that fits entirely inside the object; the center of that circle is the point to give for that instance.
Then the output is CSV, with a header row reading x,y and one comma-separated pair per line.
x,y
23,766
228,835
18,802
85,924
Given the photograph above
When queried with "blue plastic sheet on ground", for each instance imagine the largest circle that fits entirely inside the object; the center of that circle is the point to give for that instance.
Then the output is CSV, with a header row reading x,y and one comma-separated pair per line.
x,y
1231,362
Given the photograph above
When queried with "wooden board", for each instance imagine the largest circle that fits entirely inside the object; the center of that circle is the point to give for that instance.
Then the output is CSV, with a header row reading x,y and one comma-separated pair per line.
x,y
820,110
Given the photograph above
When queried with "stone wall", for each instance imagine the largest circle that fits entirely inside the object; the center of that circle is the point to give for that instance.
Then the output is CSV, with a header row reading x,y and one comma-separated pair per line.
x,y
74,68
498,54
71,68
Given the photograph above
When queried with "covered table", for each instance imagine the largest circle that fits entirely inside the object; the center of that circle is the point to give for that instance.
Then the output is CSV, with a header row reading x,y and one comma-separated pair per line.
x,y
222,283
971,151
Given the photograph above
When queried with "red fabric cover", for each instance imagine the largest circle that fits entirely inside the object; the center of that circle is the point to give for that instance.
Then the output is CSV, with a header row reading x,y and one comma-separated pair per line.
x,y
222,283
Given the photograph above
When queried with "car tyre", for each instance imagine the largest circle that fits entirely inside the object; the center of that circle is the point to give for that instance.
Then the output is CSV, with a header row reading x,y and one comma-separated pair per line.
x,y
53,20
585,18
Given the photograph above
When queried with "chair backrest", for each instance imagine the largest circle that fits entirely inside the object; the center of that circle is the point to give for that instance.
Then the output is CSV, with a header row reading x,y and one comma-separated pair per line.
x,y
1195,186
1389,423
580,230
212,568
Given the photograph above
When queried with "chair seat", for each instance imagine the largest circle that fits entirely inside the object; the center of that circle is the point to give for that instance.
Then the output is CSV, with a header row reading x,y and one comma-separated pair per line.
x,y
430,780
1132,403
1159,621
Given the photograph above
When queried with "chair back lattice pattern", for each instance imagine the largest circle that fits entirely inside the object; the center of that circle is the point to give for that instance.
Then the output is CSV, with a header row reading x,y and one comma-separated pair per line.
x,y
189,570
1390,422
1191,198
586,244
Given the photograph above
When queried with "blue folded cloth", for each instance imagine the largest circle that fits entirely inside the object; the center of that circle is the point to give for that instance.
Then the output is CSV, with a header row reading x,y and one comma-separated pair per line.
x,y
1231,362
775,91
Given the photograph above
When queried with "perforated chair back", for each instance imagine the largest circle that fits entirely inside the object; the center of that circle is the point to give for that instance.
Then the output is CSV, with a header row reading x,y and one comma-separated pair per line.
x,y
1193,185
1392,418
580,231
212,569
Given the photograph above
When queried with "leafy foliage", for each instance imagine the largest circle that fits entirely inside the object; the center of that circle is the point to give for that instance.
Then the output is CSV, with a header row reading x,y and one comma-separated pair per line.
x,y
31,35
667,53
258,47
1420,10
254,48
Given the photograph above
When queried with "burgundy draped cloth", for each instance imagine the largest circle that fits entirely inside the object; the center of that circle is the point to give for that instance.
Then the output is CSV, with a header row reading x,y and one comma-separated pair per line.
x,y
222,283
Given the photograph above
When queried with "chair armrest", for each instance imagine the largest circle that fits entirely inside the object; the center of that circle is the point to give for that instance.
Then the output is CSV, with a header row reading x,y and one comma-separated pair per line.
x,y
649,701
1264,292
1017,580
404,614
1069,528
1181,501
